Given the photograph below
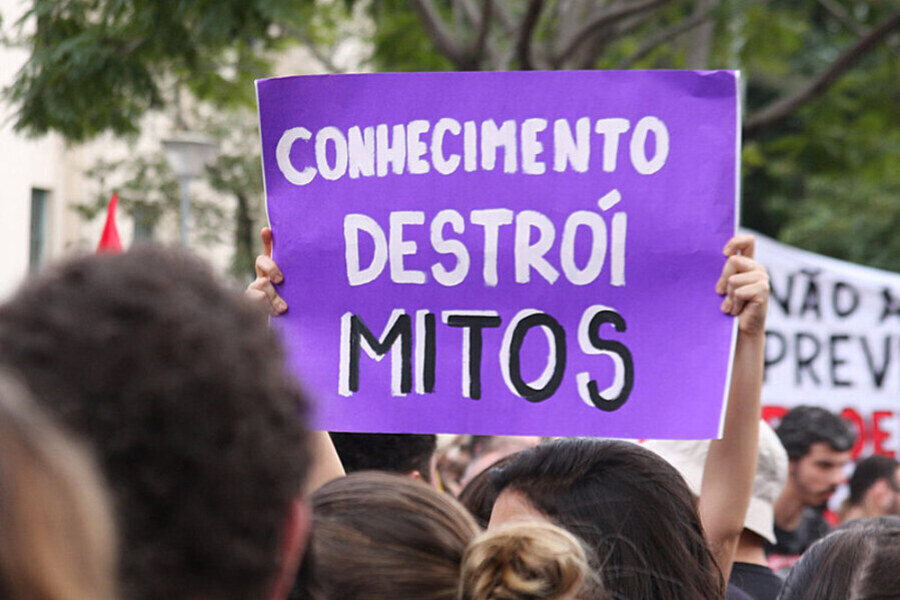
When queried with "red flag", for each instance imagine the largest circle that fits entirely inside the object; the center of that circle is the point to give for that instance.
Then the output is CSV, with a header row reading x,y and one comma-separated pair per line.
x,y
109,241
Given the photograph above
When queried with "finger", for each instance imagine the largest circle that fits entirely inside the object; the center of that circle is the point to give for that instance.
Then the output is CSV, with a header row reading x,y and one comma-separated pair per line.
x,y
267,240
748,278
266,267
750,286
757,293
259,298
735,264
743,244
737,304
754,293
264,285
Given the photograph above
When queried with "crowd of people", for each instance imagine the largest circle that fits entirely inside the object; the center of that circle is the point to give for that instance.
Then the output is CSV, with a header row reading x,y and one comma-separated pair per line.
x,y
153,446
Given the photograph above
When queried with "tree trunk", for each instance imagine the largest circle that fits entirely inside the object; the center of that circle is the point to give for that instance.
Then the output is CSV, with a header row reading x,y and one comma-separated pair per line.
x,y
242,265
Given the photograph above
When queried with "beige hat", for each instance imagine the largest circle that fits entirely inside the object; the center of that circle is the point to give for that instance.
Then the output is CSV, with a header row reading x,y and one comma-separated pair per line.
x,y
689,457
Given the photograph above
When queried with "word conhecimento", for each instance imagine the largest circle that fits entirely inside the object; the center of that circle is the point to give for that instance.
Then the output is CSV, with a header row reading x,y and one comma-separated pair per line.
x,y
418,147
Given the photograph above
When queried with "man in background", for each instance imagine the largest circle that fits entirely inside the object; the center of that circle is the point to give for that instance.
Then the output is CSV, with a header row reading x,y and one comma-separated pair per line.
x,y
818,443
178,387
874,489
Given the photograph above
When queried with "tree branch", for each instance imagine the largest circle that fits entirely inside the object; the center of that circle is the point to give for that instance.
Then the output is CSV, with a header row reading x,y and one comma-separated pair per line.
x,y
843,17
622,29
437,30
526,31
848,22
664,36
475,52
602,20
505,18
469,10
700,43
818,85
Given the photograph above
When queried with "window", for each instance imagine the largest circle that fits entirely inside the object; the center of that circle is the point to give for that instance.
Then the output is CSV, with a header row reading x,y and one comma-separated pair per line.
x,y
38,239
144,220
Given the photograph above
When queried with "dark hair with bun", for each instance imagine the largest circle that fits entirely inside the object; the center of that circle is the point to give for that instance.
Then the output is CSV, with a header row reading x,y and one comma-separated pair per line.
x,y
630,507
381,536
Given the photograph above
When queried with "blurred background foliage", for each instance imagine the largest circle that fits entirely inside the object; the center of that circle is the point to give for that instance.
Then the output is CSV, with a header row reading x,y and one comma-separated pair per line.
x,y
821,152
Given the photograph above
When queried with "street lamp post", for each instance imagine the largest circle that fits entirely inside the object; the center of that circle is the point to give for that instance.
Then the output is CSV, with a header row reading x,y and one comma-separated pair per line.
x,y
187,154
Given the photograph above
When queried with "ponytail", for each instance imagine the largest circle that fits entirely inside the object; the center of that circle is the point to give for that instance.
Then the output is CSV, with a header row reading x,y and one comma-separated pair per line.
x,y
524,561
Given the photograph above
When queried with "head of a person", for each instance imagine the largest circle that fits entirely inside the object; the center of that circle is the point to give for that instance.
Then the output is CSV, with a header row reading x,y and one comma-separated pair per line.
x,y
403,453
57,540
179,388
480,493
488,449
383,536
818,443
858,561
875,486
689,457
629,506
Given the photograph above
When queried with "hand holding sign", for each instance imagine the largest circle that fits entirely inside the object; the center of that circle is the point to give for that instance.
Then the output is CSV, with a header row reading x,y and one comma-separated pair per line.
x,y
731,462
261,290
745,285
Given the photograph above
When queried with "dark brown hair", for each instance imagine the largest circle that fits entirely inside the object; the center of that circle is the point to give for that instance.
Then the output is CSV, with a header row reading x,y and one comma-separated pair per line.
x,y
868,472
480,493
394,452
382,537
632,509
179,387
858,561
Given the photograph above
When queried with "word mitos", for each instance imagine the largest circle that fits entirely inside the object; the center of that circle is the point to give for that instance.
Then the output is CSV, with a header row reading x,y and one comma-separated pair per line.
x,y
418,147
413,348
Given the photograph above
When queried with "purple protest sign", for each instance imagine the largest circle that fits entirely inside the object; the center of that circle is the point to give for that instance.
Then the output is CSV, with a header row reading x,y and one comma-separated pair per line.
x,y
535,253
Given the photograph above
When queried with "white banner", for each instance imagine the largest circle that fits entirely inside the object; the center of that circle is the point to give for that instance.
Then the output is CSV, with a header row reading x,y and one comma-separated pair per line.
x,y
833,340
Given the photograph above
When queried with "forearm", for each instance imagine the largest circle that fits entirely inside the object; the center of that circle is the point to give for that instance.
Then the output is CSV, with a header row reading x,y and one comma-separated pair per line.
x,y
326,463
731,463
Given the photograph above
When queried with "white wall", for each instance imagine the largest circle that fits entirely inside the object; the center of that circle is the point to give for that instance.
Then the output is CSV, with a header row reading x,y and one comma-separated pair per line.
x,y
25,164
49,163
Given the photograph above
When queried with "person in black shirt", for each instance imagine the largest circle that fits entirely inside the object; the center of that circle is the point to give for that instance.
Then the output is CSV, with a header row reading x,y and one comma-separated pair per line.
x,y
818,443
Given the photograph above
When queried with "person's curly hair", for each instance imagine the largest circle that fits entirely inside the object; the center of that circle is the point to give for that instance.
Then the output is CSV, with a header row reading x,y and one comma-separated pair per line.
x,y
180,388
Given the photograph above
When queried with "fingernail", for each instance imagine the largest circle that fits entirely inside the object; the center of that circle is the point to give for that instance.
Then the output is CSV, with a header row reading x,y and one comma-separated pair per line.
x,y
278,278
281,305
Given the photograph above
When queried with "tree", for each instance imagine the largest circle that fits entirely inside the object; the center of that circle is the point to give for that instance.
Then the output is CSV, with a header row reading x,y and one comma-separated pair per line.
x,y
820,140
821,91
100,65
